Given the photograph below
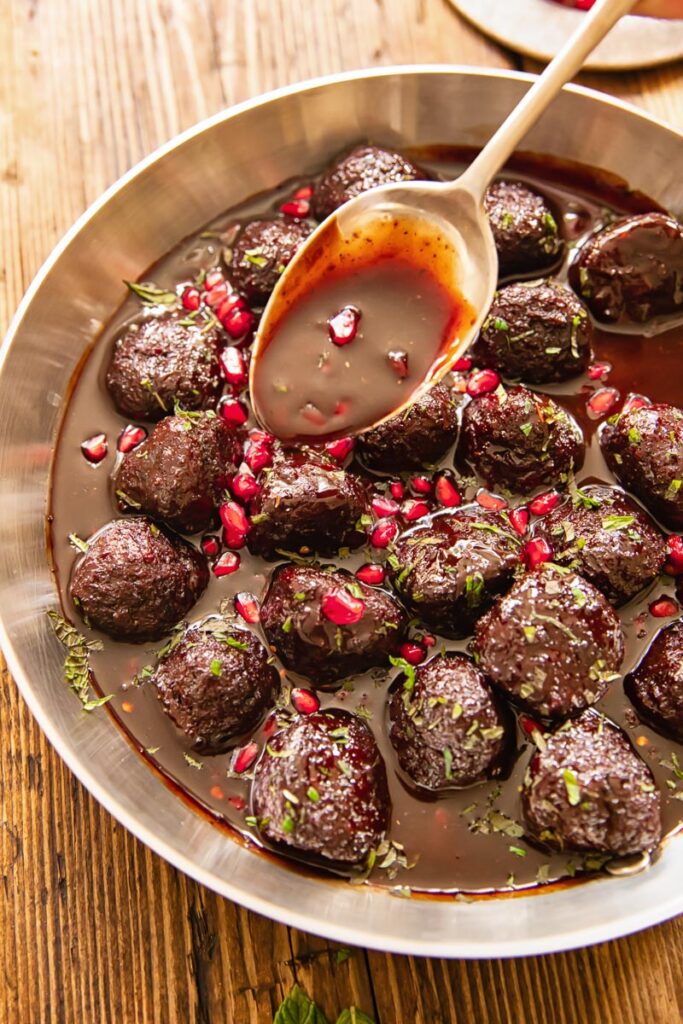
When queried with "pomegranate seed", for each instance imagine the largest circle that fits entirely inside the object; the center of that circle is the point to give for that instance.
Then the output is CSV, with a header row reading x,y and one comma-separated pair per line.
x,y
233,411
382,506
211,545
244,758
463,364
601,402
305,701
342,608
428,640
296,208
371,573
397,489
543,503
234,538
191,299
215,296
663,607
341,407
412,653
519,519
270,725
398,360
674,563
246,605
343,326
635,402
421,484
238,322
535,552
490,501
383,533
233,516
233,366
481,382
228,563
340,448
598,371
261,435
95,448
244,486
130,437
529,725
446,493
305,192
233,301
213,278
258,456
412,510
238,802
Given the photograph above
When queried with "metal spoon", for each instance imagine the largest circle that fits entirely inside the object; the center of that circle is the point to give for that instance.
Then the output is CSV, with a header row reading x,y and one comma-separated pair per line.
x,y
453,209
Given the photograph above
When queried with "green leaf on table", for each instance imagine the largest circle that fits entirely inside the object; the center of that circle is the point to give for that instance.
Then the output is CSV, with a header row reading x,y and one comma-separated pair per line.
x,y
354,1016
299,1009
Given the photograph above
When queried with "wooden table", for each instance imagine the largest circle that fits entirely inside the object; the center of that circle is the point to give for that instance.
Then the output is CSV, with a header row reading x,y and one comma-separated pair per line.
x,y
94,927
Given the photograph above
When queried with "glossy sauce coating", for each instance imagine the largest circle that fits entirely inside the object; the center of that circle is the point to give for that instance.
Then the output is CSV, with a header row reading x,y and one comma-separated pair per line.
x,y
463,839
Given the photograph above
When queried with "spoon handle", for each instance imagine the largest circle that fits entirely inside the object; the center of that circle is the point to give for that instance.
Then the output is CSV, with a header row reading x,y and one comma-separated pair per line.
x,y
564,66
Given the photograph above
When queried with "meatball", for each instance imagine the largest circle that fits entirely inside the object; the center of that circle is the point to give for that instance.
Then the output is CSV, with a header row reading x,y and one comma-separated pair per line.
x,y
326,625
359,170
215,683
606,538
524,229
417,437
449,569
552,643
644,449
159,361
537,332
262,251
588,790
519,440
306,501
137,580
180,472
632,271
320,788
656,686
447,726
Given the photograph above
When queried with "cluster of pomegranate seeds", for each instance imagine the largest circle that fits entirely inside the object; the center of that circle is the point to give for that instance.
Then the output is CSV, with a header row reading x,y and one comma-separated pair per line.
x,y
446,493
343,326
233,411
340,448
674,561
599,371
130,437
412,653
635,402
234,367
246,605
383,506
535,552
210,545
244,758
227,564
519,519
462,365
95,448
663,607
231,310
601,402
397,490
383,532
259,453
421,484
299,206
371,573
244,486
304,701
236,526
481,382
543,503
342,608
490,501
398,361
412,509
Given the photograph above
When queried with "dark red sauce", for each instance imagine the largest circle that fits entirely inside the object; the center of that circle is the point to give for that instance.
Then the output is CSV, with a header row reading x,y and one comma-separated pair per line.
x,y
459,842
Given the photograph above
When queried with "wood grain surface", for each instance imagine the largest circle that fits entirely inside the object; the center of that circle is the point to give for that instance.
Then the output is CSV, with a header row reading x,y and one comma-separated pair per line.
x,y
94,928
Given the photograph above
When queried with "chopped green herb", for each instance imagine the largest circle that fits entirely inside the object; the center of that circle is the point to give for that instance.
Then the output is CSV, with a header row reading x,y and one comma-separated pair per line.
x,y
672,490
313,794
77,661
518,851
215,667
617,522
192,763
572,787
149,295
448,762
76,542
